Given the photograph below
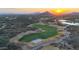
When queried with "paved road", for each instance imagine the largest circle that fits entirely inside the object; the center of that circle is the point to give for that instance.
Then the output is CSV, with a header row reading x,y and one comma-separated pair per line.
x,y
16,38
50,42
66,33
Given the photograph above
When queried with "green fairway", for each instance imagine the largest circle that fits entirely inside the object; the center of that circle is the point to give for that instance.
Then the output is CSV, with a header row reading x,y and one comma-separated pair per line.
x,y
49,32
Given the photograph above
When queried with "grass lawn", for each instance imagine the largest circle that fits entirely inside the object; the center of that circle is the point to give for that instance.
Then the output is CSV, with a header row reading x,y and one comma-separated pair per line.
x,y
49,32
50,48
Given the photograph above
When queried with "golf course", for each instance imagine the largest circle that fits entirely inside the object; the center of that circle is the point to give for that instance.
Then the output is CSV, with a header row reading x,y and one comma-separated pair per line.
x,y
49,31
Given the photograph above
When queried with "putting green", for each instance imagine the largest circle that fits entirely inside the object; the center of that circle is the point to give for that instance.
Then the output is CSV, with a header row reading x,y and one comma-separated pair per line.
x,y
49,31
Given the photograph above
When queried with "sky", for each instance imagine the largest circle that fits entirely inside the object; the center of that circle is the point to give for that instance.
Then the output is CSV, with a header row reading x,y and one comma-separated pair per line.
x,y
28,6
29,10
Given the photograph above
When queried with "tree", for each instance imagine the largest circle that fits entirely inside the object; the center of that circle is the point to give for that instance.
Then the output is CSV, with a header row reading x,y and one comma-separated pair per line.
x,y
3,41
13,46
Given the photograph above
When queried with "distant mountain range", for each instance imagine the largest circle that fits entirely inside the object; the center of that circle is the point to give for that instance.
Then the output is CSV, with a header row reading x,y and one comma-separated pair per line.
x,y
33,13
75,13
39,13
71,13
51,14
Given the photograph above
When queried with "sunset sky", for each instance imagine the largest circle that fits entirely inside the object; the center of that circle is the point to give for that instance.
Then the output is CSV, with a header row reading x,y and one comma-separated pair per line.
x,y
14,10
